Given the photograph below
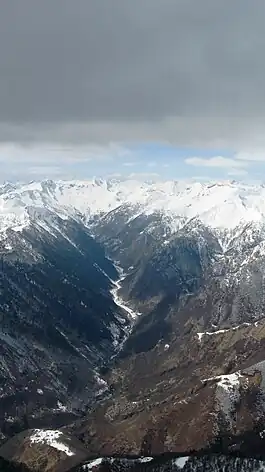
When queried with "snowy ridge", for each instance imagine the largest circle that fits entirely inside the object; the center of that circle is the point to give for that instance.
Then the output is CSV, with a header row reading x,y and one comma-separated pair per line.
x,y
51,438
222,206
227,382
225,330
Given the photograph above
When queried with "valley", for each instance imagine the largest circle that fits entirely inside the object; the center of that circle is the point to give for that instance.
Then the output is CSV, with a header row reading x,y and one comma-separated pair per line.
x,y
132,318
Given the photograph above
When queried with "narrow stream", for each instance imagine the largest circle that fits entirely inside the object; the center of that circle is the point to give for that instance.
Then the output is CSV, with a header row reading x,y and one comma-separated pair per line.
x,y
119,301
132,317
131,314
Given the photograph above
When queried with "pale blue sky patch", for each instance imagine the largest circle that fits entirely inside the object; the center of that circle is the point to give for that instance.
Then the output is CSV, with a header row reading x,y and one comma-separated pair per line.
x,y
167,161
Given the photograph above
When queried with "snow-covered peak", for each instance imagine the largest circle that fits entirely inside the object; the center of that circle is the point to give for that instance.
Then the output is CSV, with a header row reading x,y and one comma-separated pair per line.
x,y
223,205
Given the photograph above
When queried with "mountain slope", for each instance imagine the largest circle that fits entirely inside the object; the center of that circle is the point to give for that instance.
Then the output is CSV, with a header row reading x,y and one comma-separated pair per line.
x,y
44,450
204,318
191,261
58,322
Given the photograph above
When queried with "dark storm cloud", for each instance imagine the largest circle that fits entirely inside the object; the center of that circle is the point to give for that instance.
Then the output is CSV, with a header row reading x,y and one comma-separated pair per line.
x,y
131,69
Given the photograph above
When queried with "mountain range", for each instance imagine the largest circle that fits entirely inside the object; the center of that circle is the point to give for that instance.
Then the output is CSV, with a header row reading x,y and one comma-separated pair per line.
x,y
132,316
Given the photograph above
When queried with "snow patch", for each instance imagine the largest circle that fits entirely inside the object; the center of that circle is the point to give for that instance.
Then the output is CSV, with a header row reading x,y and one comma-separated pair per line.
x,y
51,438
228,382
181,461
94,463
145,459
61,407
102,384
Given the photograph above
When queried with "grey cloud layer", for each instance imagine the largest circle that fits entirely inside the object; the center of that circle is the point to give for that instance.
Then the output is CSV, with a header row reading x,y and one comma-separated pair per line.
x,y
121,70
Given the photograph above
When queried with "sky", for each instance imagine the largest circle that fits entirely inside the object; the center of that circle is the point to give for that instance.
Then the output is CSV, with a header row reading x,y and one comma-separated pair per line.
x,y
147,88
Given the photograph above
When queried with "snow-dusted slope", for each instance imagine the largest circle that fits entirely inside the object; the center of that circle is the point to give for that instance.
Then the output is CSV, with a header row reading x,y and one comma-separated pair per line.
x,y
218,205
